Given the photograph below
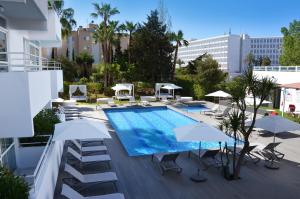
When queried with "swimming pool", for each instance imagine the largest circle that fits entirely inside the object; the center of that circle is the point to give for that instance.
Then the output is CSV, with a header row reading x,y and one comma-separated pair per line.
x,y
192,108
145,131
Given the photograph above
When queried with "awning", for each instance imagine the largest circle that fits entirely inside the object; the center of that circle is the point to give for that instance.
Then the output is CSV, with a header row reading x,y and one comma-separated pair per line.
x,y
119,87
80,129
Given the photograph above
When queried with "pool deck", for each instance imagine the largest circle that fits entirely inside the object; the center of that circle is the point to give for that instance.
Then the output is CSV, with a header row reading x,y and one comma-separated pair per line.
x,y
139,178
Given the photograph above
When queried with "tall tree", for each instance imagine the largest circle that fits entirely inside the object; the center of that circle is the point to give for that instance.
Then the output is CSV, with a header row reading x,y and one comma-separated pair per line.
x,y
152,50
239,87
179,41
67,21
131,28
105,11
291,45
85,61
250,60
209,75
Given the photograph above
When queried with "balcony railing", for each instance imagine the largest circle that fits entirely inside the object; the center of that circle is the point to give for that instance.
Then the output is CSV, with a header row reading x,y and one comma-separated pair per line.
x,y
277,68
20,61
33,179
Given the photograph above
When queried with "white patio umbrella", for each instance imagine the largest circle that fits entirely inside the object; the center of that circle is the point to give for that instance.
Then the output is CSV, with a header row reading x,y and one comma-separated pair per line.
x,y
80,129
219,94
275,124
172,87
197,133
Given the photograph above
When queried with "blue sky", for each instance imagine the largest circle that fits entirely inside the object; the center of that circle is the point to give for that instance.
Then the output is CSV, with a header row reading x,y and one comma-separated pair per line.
x,y
204,18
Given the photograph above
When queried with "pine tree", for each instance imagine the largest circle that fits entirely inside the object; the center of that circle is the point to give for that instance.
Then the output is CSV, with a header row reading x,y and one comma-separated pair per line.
x,y
152,50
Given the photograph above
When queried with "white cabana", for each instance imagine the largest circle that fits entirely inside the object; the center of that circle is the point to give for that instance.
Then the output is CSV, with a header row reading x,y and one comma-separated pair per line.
x,y
275,124
168,86
121,88
78,92
80,129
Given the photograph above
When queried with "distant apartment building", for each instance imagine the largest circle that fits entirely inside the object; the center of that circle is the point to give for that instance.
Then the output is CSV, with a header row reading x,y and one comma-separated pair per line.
x,y
231,50
82,40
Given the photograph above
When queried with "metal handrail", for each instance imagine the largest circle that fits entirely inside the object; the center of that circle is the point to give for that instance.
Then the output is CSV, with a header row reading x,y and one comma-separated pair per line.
x,y
36,174
20,61
277,68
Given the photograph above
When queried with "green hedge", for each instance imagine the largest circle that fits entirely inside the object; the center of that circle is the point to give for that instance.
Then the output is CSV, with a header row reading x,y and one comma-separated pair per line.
x,y
12,186
189,86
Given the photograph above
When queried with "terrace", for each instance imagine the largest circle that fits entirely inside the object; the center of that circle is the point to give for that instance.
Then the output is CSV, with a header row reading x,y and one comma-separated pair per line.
x,y
138,177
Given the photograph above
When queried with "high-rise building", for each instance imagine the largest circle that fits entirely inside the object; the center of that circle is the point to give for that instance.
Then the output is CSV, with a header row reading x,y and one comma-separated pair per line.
x,y
231,50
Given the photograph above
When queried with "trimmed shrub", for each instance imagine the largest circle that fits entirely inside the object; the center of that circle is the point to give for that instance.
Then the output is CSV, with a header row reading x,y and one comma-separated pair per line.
x,y
45,121
11,186
83,80
108,92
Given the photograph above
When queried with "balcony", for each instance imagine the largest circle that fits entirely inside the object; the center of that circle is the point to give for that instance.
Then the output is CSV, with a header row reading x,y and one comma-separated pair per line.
x,y
52,36
28,83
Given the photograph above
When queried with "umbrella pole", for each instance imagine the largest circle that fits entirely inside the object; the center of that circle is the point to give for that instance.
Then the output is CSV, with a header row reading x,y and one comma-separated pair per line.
x,y
198,177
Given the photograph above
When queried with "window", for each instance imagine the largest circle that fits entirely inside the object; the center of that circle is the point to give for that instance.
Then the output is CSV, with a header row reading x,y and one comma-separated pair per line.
x,y
86,38
3,45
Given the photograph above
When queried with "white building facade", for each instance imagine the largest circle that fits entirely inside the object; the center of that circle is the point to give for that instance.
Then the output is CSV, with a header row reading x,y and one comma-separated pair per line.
x,y
28,84
231,50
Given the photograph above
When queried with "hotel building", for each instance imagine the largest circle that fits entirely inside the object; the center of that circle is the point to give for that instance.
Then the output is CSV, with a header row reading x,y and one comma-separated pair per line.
x,y
231,50
28,84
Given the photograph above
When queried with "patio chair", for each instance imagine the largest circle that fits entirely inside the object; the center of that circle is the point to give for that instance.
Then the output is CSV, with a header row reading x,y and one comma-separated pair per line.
x,y
208,157
91,178
88,148
70,193
271,149
167,161
249,153
213,110
165,100
111,102
223,113
144,101
89,158
271,160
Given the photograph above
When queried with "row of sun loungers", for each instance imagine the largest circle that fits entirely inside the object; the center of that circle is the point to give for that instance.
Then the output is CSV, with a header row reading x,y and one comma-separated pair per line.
x,y
211,157
83,146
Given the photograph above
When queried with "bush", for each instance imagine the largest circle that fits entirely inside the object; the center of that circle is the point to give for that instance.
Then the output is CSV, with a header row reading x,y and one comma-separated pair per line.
x,y
83,80
45,121
94,88
198,91
108,92
11,186
189,86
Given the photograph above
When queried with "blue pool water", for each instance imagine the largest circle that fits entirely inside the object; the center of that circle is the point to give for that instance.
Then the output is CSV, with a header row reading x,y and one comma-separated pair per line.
x,y
145,131
192,108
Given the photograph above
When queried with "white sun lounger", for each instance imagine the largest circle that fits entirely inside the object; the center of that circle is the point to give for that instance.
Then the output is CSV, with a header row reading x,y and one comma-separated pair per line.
x,y
70,193
90,178
89,158
88,148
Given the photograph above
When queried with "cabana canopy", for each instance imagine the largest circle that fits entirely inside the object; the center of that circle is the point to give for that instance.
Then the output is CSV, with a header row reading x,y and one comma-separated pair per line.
x,y
118,88
168,86
80,129
292,85
78,92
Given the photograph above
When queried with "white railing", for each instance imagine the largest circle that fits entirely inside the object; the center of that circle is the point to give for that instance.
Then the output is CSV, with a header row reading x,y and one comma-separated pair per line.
x,y
33,179
20,61
277,68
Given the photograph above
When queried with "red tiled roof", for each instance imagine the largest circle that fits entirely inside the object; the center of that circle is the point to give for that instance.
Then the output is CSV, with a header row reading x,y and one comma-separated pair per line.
x,y
293,85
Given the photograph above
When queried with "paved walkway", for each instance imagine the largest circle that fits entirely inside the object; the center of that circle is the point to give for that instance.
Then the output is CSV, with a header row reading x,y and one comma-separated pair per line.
x,y
139,178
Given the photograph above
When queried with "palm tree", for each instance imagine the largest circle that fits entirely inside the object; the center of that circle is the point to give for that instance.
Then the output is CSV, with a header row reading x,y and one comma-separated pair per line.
x,y
67,22
180,41
131,28
104,11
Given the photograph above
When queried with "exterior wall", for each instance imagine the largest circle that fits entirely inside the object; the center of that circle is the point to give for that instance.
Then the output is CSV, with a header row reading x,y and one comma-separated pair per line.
x,y
233,59
281,77
46,180
292,96
25,96
56,83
